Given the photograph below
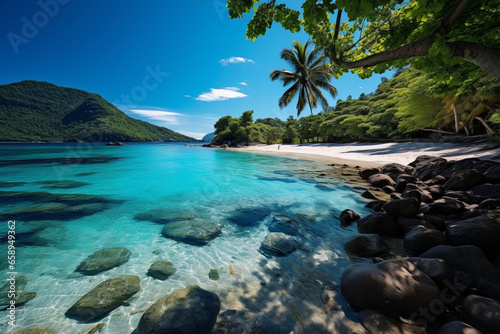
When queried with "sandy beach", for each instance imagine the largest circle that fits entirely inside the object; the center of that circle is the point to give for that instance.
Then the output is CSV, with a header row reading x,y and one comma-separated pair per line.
x,y
375,154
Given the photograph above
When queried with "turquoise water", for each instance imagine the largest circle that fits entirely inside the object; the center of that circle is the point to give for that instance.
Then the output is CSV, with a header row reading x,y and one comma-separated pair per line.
x,y
245,193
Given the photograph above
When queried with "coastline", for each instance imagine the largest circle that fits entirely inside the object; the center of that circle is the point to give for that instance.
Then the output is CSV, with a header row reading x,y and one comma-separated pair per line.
x,y
374,154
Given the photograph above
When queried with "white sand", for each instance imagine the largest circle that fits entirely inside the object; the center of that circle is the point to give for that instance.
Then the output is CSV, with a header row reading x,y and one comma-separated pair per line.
x,y
365,155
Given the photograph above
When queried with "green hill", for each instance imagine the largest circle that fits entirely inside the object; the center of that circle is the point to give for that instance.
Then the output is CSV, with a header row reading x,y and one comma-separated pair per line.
x,y
41,111
209,137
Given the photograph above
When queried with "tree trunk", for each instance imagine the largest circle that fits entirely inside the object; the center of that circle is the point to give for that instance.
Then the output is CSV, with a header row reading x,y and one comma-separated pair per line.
x,y
484,57
456,117
467,132
488,128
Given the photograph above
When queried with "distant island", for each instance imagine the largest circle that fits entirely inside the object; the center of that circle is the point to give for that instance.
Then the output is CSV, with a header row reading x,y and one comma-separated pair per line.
x,y
209,137
41,111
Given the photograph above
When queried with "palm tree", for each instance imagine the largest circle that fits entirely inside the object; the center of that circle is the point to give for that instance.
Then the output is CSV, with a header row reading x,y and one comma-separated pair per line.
x,y
310,74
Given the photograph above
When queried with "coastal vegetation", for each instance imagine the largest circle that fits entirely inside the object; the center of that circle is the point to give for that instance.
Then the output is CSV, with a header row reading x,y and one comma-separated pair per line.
x,y
410,105
40,111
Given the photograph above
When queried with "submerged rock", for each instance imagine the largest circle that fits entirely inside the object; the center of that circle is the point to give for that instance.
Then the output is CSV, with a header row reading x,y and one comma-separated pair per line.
x,y
376,322
162,270
394,287
366,245
279,243
213,274
22,297
197,232
166,215
104,298
33,330
348,216
191,310
103,260
94,329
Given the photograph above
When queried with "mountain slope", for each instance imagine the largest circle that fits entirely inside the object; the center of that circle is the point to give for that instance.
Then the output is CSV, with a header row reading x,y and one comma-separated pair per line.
x,y
209,137
41,111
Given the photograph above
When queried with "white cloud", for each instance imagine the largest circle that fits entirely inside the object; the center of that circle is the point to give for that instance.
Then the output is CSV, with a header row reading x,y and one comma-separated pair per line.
x,y
243,83
186,95
235,60
360,87
221,94
171,118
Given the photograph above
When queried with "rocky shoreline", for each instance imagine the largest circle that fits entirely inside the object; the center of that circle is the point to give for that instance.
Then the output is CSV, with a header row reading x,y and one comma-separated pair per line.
x,y
446,214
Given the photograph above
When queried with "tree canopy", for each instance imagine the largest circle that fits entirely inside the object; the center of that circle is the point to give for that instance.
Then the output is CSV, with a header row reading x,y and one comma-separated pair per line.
x,y
451,38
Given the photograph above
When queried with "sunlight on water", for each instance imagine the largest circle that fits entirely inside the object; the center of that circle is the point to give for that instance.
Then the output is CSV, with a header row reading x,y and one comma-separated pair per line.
x,y
132,191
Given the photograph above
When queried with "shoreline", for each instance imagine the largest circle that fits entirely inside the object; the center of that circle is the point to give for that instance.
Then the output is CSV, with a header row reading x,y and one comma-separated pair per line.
x,y
374,154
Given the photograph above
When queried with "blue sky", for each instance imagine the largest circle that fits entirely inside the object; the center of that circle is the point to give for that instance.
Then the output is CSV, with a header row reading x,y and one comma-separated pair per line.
x,y
179,64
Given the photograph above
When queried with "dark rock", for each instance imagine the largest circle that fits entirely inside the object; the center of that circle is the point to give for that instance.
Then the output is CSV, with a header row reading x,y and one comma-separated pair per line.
x,y
427,167
370,195
396,196
420,239
366,173
394,170
118,143
197,232
412,193
436,190
348,216
375,205
394,287
407,178
166,215
444,206
191,310
379,223
104,298
366,245
485,191
284,224
457,327
411,186
279,243
461,195
376,322
482,231
400,186
482,313
21,298
490,203
468,259
439,221
464,180
436,269
407,207
406,223
381,180
388,189
213,274
103,260
162,269
492,174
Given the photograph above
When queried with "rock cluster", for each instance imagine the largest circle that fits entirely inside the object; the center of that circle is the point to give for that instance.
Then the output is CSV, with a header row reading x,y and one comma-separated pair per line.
x,y
448,215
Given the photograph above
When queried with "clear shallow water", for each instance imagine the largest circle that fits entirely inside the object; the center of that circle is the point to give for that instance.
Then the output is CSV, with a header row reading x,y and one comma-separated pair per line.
x,y
243,192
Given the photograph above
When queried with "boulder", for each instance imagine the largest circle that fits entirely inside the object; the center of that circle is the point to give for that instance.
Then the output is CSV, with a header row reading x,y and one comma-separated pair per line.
x,y
162,269
381,180
366,245
191,310
400,186
394,287
104,298
375,205
407,207
388,189
492,174
444,206
197,232
406,177
464,180
348,216
376,322
427,167
436,190
103,260
482,313
485,191
457,327
279,243
394,170
379,223
412,193
461,195
366,173
490,203
468,259
436,269
368,194
419,239
482,231
406,223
